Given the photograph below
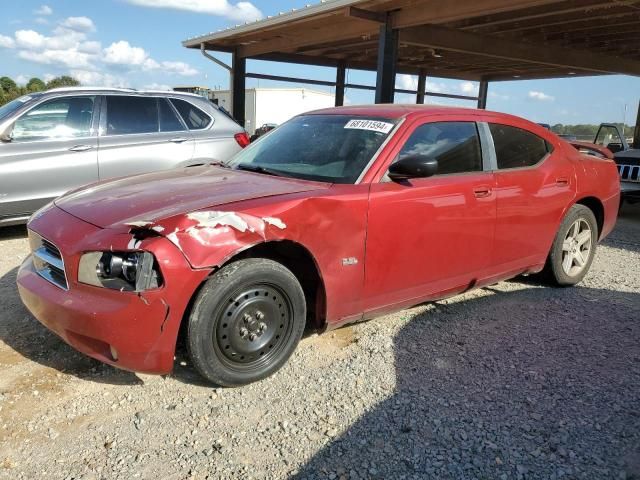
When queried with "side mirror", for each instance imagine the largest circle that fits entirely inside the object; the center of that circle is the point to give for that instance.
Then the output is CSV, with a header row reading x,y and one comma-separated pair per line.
x,y
413,166
615,147
6,133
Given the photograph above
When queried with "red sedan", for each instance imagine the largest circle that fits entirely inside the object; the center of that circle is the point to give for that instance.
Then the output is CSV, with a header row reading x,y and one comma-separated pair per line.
x,y
336,216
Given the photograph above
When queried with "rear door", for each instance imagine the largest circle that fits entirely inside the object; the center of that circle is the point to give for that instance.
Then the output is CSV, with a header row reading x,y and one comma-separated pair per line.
x,y
140,134
214,138
53,150
534,185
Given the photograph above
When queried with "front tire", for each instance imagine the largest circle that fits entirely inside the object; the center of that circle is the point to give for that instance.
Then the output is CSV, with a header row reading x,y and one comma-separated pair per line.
x,y
574,247
246,322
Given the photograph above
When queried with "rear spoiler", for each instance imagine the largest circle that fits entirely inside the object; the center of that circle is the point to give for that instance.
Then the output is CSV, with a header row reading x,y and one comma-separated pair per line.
x,y
592,149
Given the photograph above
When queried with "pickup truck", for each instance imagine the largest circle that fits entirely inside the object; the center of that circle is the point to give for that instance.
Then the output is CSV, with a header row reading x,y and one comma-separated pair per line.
x,y
627,159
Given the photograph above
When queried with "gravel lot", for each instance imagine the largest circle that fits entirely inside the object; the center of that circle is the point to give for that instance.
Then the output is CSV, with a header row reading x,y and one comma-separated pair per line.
x,y
515,381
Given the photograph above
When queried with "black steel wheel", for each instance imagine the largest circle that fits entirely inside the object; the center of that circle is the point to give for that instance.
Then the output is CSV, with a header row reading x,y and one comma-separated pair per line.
x,y
246,322
254,326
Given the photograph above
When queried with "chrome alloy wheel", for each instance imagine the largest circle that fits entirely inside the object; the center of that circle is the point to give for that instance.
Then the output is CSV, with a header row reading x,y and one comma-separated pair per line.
x,y
576,248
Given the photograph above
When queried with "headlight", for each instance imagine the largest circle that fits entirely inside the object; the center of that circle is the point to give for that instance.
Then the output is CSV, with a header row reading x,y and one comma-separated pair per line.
x,y
132,272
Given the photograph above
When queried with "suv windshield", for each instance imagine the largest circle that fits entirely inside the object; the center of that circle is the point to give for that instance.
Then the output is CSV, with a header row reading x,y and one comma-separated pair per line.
x,y
8,108
326,148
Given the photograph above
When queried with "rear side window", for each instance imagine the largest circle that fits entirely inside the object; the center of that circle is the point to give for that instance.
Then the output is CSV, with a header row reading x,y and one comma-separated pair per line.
x,y
129,115
195,118
517,148
169,121
455,145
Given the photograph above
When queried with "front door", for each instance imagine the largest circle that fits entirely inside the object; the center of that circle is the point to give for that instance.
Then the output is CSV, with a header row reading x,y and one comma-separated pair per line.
x,y
431,235
53,149
609,136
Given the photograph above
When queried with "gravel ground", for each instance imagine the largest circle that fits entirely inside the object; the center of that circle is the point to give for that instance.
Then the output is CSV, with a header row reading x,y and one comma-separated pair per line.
x,y
515,381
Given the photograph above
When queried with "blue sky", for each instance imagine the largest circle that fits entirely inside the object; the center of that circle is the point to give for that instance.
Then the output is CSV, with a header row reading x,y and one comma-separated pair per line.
x,y
137,43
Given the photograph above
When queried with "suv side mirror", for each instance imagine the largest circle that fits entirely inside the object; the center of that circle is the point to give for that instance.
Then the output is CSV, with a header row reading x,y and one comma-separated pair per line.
x,y
610,136
6,133
413,166
615,147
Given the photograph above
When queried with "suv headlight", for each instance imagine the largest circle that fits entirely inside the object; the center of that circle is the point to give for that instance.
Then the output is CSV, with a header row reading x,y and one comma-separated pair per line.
x,y
125,271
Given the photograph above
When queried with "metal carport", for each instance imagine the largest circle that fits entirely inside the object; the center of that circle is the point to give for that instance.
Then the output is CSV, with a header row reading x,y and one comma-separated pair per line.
x,y
480,40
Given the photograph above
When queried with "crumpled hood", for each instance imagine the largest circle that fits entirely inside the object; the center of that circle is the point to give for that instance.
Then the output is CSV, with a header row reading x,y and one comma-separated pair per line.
x,y
160,195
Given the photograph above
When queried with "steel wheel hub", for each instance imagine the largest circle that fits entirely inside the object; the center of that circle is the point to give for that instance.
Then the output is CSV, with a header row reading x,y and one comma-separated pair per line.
x,y
253,325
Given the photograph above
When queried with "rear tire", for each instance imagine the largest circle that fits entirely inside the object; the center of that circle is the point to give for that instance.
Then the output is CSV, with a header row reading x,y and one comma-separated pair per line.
x,y
246,322
573,248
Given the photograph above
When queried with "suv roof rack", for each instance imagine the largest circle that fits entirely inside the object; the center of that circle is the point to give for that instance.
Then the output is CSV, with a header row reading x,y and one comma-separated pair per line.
x,y
173,92
115,89
80,89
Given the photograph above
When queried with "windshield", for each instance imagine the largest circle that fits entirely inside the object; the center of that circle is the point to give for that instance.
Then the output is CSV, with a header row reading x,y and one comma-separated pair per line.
x,y
325,148
8,108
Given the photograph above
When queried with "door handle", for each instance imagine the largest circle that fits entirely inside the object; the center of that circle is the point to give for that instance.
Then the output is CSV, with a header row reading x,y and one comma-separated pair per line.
x,y
80,148
482,192
178,140
562,181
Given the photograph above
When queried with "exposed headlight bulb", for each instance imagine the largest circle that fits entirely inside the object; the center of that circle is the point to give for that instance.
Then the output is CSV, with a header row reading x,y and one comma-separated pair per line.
x,y
127,271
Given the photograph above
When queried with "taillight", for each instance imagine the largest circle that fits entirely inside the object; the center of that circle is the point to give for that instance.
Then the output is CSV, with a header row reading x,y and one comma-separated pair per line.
x,y
242,139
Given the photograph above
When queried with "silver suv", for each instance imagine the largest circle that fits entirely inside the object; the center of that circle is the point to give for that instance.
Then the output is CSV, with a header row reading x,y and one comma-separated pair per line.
x,y
54,141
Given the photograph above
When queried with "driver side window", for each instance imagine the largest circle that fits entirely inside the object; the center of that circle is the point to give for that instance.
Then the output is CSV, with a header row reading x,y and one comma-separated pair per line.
x,y
66,117
455,145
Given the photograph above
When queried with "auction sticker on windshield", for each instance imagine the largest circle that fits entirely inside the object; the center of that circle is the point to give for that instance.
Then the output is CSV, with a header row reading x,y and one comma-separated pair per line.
x,y
374,125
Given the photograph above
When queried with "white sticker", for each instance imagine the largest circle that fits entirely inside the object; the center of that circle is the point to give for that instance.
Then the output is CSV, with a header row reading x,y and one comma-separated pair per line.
x,y
24,99
373,125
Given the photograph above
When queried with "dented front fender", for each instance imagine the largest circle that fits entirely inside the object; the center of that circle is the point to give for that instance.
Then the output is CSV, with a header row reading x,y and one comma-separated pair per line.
x,y
331,227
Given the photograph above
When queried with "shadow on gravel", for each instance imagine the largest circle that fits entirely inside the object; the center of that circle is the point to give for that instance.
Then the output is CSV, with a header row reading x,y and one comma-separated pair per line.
x,y
531,384
625,235
20,331
185,372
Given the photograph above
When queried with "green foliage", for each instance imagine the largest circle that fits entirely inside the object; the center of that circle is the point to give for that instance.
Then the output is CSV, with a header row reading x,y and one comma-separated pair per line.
x,y
63,81
7,85
9,90
35,85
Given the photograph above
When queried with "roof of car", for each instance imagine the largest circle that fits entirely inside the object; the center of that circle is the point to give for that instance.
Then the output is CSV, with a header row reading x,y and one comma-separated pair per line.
x,y
391,110
131,91
398,111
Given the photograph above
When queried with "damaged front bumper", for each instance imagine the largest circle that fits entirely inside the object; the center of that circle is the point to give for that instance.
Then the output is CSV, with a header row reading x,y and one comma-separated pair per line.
x,y
131,330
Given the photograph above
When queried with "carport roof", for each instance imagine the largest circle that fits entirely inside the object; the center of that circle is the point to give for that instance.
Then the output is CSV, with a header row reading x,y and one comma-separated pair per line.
x,y
466,39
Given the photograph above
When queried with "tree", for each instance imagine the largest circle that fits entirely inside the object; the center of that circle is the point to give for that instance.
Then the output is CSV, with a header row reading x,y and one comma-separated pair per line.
x,y
7,84
35,85
63,81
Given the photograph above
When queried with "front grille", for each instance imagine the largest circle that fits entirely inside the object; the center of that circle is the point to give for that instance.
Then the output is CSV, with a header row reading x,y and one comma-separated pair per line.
x,y
629,173
47,260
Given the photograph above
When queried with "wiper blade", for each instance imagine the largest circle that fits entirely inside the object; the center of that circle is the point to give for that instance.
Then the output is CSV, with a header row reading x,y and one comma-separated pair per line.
x,y
259,169
219,164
